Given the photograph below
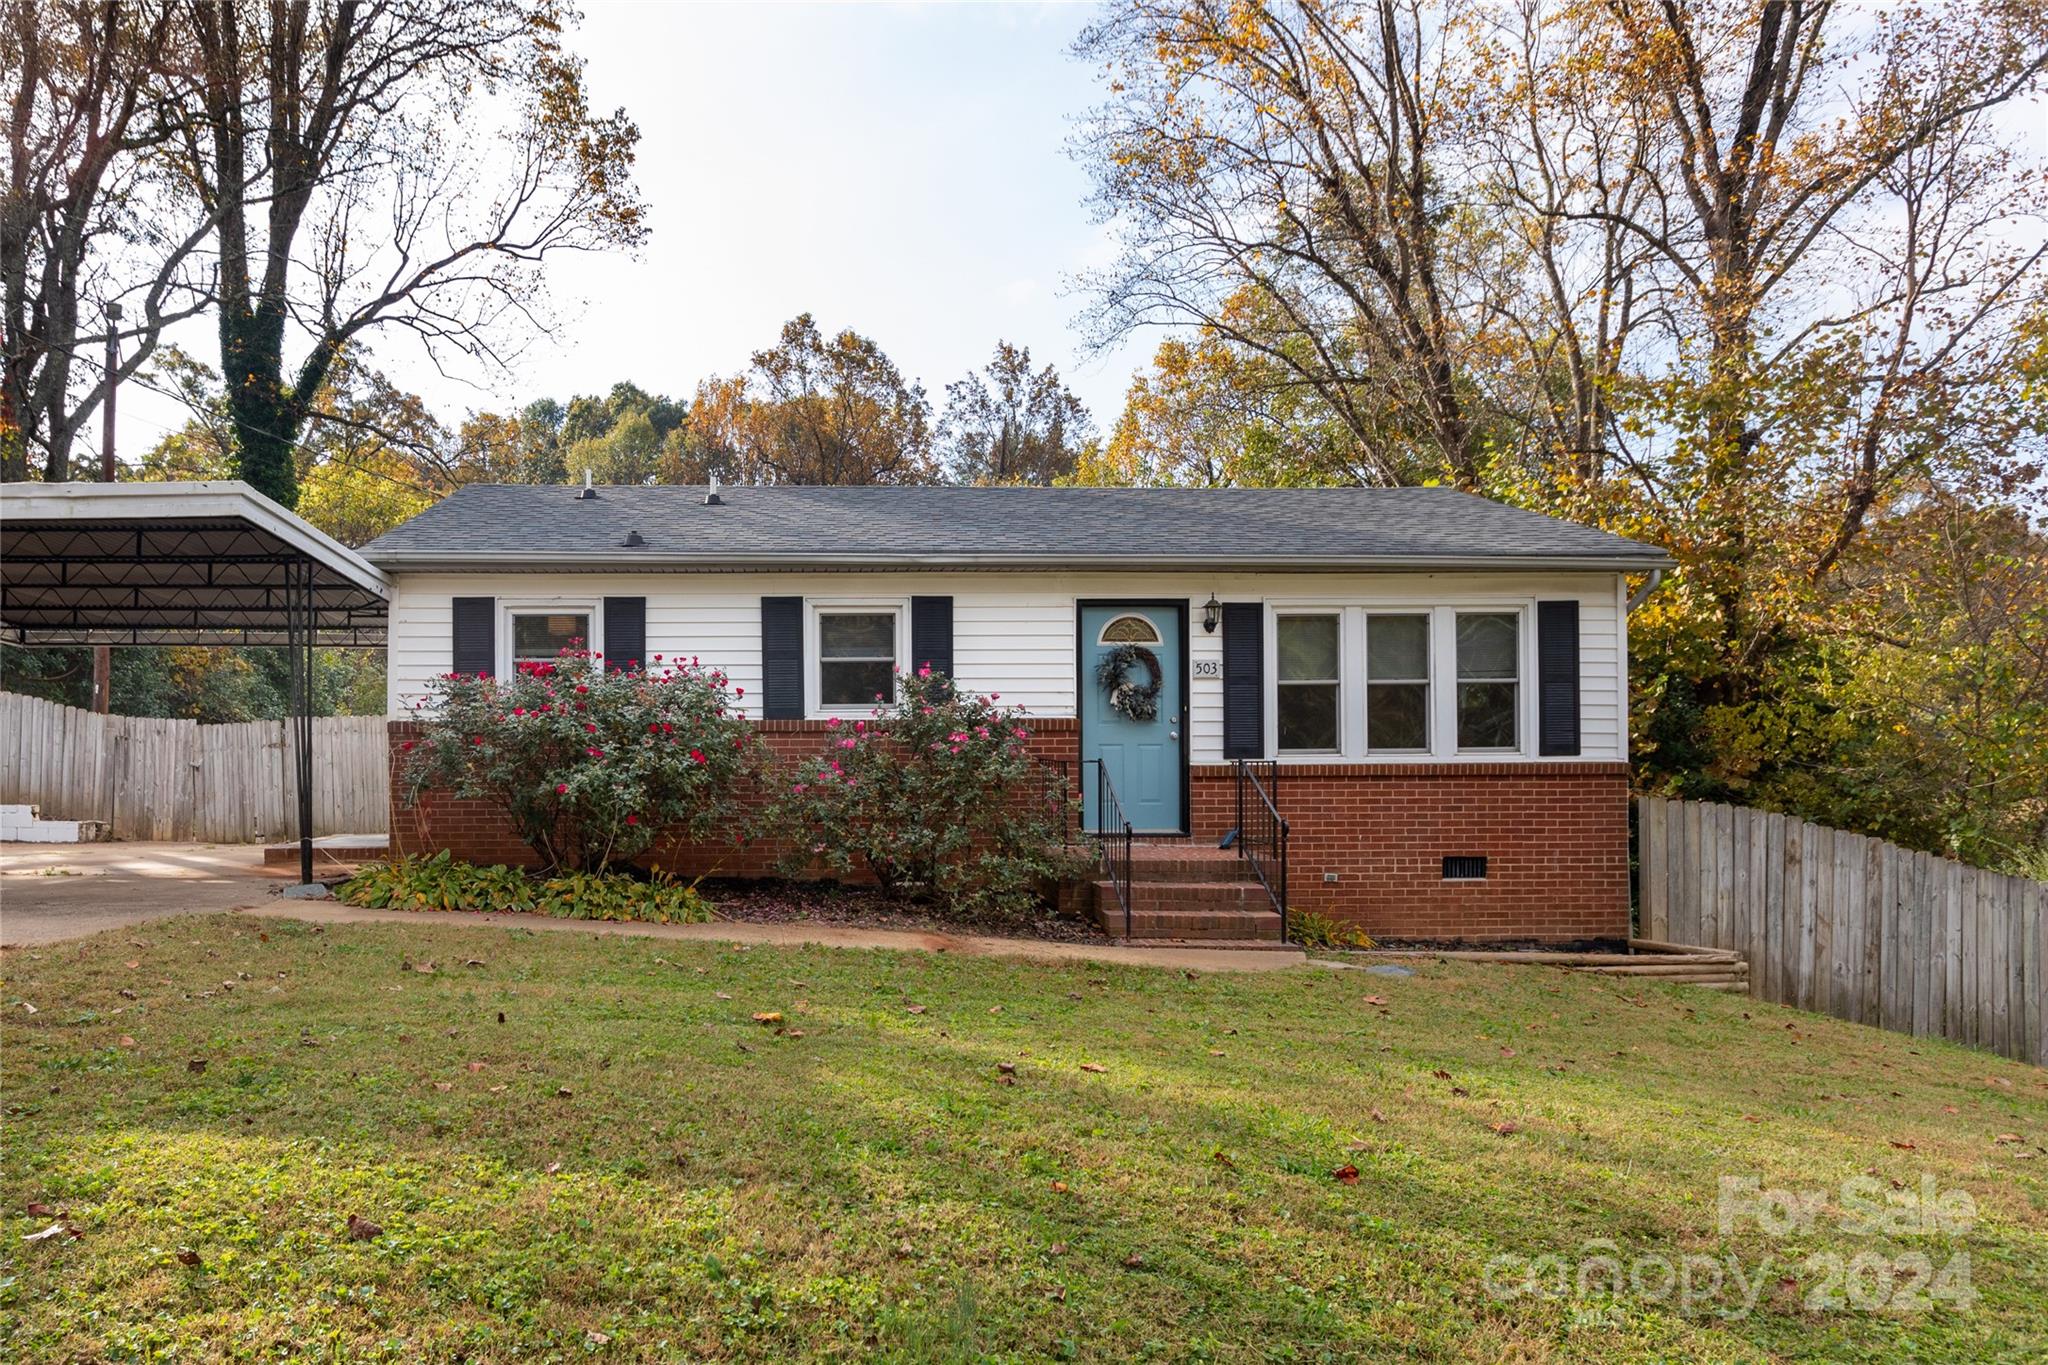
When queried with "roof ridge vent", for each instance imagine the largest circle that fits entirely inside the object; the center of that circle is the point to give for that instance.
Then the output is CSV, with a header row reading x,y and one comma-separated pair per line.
x,y
711,499
588,492
634,540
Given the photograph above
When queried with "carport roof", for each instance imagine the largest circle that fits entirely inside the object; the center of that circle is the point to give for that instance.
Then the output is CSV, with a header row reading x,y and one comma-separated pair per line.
x,y
209,563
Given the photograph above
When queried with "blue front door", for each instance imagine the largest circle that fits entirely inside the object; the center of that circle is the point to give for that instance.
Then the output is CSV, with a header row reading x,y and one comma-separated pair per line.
x,y
1144,756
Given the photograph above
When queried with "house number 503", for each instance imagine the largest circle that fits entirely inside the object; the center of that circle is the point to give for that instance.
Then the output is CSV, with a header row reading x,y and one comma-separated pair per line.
x,y
1208,668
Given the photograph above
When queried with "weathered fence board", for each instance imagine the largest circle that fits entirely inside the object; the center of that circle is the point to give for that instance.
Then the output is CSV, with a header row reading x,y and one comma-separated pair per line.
x,y
178,779
1851,926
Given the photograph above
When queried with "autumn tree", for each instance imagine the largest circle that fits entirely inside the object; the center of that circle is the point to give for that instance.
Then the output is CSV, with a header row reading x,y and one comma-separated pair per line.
x,y
401,167
1008,423
88,223
1274,177
811,409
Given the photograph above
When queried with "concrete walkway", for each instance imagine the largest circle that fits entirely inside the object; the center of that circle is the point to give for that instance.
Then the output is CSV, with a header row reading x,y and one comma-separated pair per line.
x,y
824,935
51,892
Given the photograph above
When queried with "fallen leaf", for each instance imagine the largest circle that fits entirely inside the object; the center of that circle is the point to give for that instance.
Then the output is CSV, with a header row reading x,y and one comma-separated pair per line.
x,y
995,1009
1375,1000
1059,1187
133,966
563,1092
38,1209
54,1230
1007,1068
476,1066
1057,1249
30,1008
196,1065
1507,1128
904,1248
1377,1116
497,1089
1134,1260
1215,1052
1507,1052
913,1009
1950,1109
596,1338
1441,1074
501,1016
2006,1137
1459,1090
720,995
425,968
768,1017
1905,1144
187,1256
1094,1066
126,1041
444,1085
127,994
1347,1174
362,1229
1222,1158
472,962
551,1168
1999,1081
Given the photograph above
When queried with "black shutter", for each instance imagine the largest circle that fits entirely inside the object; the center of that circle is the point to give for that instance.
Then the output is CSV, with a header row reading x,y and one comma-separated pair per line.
x,y
782,658
1557,678
625,633
1244,680
931,634
476,635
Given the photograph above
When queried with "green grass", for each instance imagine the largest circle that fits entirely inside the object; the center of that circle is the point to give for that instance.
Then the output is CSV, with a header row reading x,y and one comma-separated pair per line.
x,y
870,1189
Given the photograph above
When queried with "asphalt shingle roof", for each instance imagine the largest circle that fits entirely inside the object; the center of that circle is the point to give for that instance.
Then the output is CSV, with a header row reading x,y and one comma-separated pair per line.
x,y
549,527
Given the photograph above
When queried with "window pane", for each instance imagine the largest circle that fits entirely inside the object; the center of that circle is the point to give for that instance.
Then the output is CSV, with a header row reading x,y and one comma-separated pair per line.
x,y
1308,648
857,635
1397,647
543,636
1308,716
1486,644
1130,630
846,683
1397,716
1486,715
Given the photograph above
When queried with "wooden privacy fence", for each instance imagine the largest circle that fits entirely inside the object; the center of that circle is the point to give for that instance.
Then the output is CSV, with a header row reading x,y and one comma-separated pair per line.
x,y
178,779
1851,926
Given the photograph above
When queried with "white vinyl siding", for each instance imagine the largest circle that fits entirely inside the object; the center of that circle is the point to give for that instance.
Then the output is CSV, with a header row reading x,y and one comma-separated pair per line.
x,y
1014,632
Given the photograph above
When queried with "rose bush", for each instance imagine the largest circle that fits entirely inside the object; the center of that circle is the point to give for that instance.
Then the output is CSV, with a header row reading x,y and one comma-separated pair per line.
x,y
937,795
587,765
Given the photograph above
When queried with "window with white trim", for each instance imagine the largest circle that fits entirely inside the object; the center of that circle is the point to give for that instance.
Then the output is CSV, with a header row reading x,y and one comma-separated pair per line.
x,y
1309,682
1489,688
538,633
856,659
1397,682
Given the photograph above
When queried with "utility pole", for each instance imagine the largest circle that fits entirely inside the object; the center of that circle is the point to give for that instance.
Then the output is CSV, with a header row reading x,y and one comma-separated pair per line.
x,y
103,655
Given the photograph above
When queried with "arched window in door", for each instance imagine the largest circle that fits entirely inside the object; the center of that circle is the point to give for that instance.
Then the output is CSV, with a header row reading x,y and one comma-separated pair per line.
x,y
1129,630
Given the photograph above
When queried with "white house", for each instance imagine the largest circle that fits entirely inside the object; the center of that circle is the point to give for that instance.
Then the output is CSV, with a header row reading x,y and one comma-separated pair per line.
x,y
1440,681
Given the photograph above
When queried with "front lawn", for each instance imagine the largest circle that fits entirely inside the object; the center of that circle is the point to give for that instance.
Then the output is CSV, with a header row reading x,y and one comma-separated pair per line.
x,y
576,1146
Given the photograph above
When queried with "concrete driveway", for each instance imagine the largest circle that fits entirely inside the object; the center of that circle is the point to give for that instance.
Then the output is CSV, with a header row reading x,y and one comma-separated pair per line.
x,y
50,892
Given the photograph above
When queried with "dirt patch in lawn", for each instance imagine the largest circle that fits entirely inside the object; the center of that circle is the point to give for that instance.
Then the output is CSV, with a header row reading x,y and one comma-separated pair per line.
x,y
780,902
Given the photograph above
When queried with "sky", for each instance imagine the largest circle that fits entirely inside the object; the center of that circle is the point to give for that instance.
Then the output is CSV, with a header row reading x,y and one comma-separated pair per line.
x,y
897,169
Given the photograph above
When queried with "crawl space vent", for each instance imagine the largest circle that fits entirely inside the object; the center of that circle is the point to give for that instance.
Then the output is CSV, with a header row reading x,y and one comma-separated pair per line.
x,y
1464,869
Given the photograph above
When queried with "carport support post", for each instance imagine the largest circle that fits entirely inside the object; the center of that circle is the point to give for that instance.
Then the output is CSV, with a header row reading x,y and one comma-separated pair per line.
x,y
299,636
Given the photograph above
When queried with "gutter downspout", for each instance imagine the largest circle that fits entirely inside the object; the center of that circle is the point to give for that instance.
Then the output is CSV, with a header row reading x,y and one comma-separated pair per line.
x,y
1642,594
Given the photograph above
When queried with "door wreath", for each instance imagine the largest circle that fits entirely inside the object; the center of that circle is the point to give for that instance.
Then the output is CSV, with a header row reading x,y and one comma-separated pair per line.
x,y
1132,700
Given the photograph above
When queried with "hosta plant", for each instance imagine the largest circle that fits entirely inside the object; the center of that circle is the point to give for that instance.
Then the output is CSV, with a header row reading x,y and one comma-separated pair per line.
x,y
440,882
588,765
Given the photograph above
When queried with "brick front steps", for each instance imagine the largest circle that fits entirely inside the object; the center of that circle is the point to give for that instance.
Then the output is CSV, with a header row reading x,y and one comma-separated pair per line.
x,y
1189,893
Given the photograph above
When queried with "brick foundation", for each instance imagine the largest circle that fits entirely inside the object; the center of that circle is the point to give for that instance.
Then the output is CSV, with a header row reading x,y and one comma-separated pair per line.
x,y
1555,836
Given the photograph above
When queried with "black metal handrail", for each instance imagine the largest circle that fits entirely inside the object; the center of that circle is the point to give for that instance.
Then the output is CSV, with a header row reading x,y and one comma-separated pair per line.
x,y
1113,839
1261,832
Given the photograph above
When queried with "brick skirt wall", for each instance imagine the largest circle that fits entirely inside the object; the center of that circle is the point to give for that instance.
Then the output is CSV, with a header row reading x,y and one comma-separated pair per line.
x,y
1555,837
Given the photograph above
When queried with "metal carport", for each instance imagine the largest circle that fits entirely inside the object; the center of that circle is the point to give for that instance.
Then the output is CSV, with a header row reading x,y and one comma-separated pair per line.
x,y
185,564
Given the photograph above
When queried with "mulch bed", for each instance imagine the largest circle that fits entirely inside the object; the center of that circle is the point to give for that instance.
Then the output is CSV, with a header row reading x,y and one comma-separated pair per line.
x,y
780,902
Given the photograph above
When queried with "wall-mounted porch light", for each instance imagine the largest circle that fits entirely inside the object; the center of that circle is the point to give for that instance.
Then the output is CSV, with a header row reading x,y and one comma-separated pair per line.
x,y
1212,614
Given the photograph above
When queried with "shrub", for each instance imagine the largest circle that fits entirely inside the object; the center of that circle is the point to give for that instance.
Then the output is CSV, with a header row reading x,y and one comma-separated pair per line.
x,y
936,795
587,765
441,883
1314,929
